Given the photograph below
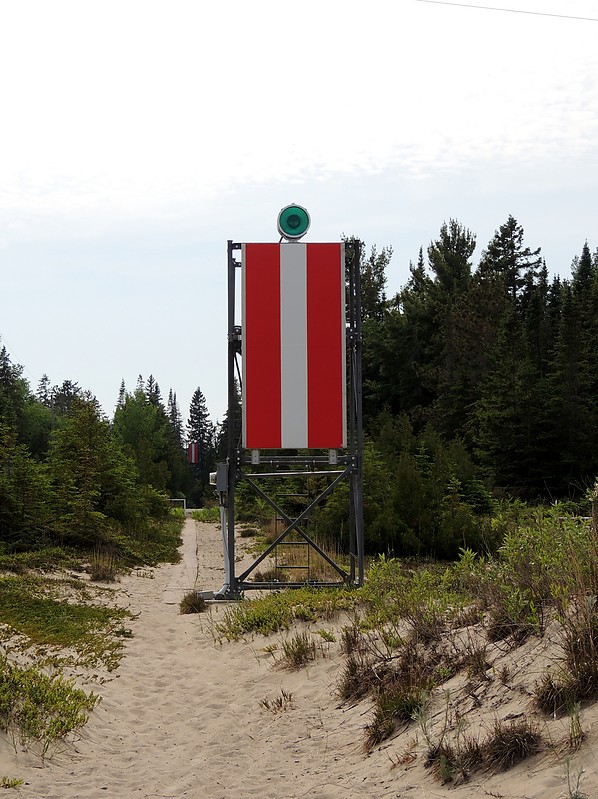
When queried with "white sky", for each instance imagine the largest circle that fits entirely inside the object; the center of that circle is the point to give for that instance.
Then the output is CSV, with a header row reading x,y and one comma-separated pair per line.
x,y
138,137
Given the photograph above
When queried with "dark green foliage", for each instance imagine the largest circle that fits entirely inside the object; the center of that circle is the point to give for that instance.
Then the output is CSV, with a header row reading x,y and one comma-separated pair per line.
x,y
222,442
422,496
495,356
148,436
68,478
23,491
200,430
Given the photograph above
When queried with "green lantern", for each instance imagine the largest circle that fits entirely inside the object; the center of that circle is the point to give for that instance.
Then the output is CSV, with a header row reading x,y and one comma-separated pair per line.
x,y
293,222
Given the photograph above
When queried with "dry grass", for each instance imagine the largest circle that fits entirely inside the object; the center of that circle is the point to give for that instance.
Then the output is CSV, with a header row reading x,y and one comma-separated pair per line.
x,y
297,651
510,743
192,602
283,701
103,567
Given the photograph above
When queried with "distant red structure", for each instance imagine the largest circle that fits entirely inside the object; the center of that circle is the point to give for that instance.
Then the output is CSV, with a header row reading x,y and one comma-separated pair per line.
x,y
193,453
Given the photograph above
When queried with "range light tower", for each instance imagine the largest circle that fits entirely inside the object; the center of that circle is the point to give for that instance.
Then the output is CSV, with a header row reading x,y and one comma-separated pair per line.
x,y
300,345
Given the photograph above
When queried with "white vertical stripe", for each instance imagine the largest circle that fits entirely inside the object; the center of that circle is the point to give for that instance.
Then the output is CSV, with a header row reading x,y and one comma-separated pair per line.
x,y
293,334
344,342
243,347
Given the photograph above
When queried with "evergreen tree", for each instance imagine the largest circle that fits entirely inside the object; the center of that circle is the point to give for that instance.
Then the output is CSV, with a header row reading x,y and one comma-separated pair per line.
x,y
143,430
222,429
24,516
510,417
63,397
505,255
152,392
404,348
200,430
449,258
44,391
571,401
14,392
583,271
175,418
122,393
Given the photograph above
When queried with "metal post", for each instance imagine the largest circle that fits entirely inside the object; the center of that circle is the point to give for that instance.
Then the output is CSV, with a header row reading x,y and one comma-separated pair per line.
x,y
357,388
232,444
352,416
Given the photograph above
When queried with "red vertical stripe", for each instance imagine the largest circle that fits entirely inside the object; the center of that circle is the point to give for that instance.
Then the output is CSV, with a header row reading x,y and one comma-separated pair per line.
x,y
325,352
262,346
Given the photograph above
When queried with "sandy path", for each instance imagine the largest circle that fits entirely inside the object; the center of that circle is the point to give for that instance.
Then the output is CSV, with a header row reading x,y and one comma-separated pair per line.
x,y
182,718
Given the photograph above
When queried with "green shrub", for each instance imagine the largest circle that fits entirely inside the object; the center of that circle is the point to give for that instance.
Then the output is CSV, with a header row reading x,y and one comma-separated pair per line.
x,y
40,710
211,515
395,704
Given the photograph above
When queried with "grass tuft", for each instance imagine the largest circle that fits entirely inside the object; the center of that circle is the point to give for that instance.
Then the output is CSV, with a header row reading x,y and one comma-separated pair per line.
x,y
283,701
103,567
394,705
10,782
510,743
192,602
298,651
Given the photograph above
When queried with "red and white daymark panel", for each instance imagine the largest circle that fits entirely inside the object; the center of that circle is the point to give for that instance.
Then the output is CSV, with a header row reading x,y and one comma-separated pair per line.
x,y
294,380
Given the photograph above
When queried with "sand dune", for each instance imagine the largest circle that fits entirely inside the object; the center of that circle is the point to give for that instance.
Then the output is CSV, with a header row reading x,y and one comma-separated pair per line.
x,y
182,718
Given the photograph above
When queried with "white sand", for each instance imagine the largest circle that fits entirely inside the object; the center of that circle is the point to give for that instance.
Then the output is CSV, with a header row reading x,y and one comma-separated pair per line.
x,y
182,718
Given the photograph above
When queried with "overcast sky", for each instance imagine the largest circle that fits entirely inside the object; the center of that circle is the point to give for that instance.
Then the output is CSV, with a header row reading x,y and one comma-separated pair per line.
x,y
138,137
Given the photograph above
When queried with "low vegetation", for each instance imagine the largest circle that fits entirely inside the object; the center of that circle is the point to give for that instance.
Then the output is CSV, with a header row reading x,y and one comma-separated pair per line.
x,y
206,515
38,711
415,627
192,602
283,701
63,614
277,611
10,782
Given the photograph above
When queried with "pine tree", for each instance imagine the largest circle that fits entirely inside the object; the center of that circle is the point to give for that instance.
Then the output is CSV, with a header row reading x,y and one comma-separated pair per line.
x,y
152,392
505,255
222,442
510,416
122,393
571,399
64,396
200,430
44,391
174,417
449,258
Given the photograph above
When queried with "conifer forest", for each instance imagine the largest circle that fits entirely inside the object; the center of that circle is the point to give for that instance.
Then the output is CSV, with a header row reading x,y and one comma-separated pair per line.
x,y
480,393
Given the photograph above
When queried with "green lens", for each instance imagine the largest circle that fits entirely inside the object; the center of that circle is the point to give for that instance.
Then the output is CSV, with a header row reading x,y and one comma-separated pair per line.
x,y
293,222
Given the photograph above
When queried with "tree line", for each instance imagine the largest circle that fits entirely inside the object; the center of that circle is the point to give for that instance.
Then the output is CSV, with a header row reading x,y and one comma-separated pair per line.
x,y
480,386
71,477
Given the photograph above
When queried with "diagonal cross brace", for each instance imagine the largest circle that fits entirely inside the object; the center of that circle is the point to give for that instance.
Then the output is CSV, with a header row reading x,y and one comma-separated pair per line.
x,y
294,525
